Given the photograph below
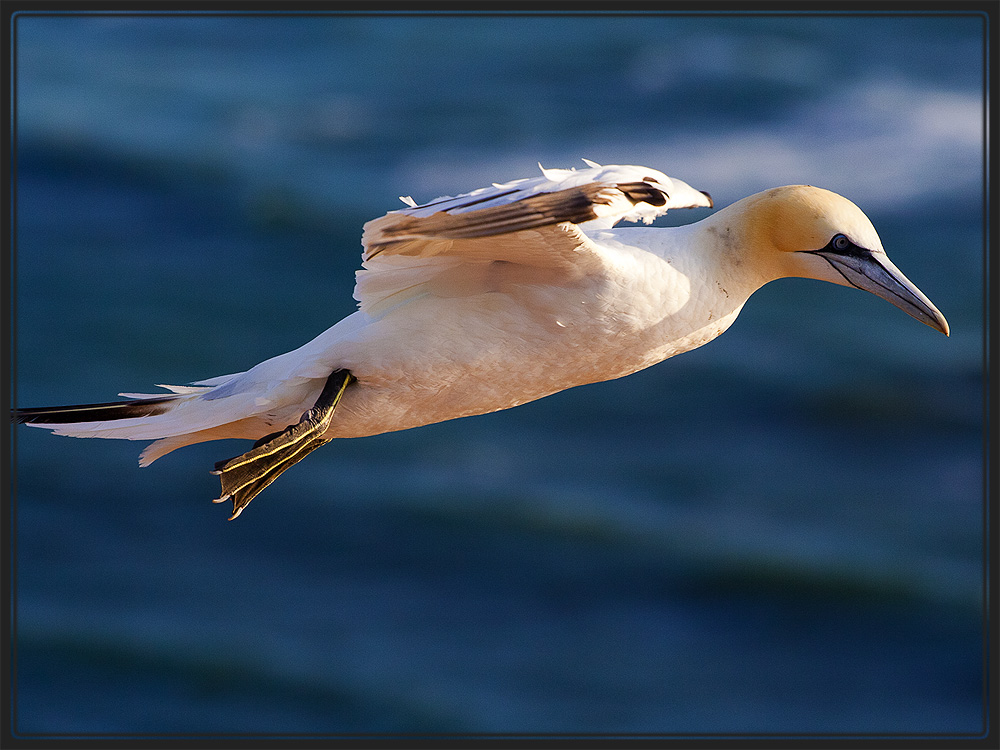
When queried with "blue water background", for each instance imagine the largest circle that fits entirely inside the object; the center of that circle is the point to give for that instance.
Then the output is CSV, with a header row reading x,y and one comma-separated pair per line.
x,y
780,532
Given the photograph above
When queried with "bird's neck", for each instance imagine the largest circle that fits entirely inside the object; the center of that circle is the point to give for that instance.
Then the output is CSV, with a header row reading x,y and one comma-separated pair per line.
x,y
714,250
740,248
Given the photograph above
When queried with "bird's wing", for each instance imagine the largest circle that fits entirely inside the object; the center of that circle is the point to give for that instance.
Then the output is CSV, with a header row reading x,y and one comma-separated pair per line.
x,y
526,231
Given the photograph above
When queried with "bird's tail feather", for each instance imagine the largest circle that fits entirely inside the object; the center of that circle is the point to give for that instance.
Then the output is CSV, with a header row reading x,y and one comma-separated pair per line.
x,y
141,419
190,414
146,407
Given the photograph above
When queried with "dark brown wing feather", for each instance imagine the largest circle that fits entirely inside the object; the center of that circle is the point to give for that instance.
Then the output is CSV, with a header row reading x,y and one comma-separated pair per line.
x,y
575,205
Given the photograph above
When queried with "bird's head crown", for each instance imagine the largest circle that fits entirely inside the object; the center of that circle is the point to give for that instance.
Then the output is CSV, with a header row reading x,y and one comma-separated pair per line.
x,y
797,218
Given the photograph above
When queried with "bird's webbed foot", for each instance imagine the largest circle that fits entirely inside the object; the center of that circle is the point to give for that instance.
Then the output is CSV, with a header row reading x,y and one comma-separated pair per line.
x,y
245,476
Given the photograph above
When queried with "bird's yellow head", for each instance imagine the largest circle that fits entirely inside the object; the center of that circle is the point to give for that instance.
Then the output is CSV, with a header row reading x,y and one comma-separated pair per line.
x,y
805,231
797,218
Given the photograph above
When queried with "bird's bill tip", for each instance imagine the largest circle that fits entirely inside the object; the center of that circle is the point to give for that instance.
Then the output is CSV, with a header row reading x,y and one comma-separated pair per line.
x,y
905,295
940,323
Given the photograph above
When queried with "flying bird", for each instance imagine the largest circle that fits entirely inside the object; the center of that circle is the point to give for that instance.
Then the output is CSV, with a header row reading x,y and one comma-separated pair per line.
x,y
501,296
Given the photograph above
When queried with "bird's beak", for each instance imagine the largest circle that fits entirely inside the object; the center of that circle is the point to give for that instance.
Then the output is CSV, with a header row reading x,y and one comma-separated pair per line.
x,y
875,273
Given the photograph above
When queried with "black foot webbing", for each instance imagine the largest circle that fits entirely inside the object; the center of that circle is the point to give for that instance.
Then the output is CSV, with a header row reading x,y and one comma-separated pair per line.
x,y
245,476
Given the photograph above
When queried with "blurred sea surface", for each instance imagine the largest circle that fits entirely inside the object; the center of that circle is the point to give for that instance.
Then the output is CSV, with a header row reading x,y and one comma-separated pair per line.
x,y
781,532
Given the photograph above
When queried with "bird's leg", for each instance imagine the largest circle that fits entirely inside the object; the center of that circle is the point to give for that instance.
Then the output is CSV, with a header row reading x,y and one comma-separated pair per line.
x,y
245,476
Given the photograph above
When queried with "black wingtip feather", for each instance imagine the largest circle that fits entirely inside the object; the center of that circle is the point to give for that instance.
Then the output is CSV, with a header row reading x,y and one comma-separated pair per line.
x,y
643,192
93,412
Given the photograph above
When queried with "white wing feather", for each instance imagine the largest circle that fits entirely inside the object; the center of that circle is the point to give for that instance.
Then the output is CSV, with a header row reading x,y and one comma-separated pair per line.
x,y
443,247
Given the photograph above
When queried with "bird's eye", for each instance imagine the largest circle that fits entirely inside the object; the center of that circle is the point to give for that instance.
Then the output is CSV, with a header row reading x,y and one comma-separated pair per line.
x,y
840,242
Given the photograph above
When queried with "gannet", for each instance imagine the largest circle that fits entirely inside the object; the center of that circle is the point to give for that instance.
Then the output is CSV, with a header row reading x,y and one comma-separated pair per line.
x,y
501,296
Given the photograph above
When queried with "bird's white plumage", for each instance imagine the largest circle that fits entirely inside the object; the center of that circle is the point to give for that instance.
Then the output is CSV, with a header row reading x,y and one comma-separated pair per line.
x,y
486,300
